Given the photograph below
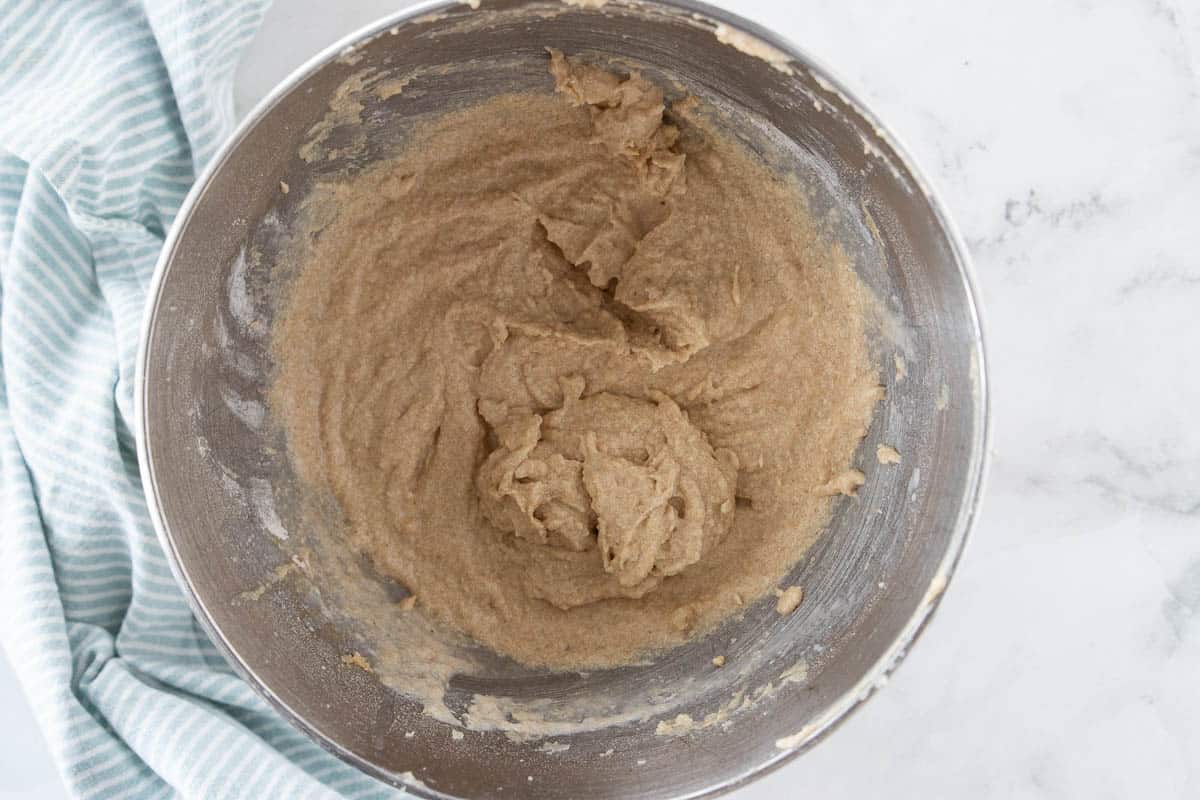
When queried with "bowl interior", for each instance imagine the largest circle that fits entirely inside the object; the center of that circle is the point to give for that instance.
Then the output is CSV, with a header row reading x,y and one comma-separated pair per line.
x,y
219,482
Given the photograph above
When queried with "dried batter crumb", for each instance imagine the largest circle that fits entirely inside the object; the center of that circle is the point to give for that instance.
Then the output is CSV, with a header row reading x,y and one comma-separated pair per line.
x,y
283,187
886,454
281,572
408,603
753,46
718,661
456,735
683,723
356,659
789,599
390,88
936,587
253,595
802,735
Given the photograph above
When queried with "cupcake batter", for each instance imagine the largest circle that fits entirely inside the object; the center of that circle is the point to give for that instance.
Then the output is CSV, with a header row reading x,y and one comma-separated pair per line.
x,y
577,369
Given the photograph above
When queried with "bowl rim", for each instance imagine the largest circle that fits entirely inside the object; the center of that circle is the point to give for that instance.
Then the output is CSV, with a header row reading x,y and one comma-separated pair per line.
x,y
879,673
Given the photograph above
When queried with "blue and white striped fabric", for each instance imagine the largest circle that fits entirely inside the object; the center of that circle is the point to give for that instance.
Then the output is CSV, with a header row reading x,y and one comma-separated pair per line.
x,y
108,110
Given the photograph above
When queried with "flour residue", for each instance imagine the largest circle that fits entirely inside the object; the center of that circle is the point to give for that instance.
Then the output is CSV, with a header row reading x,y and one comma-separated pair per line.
x,y
740,701
262,501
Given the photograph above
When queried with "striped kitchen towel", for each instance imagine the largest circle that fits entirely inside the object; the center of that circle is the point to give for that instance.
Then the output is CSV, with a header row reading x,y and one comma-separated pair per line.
x,y
108,110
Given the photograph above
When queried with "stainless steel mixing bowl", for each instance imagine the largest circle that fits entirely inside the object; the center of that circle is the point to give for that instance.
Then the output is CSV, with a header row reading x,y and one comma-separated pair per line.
x,y
210,456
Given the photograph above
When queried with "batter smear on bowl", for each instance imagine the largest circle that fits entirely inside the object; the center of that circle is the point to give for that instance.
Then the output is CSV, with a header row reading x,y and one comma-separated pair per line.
x,y
577,368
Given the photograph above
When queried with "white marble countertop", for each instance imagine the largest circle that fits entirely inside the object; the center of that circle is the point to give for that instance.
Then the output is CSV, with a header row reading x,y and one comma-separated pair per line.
x,y
1065,138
